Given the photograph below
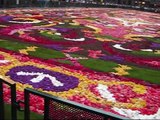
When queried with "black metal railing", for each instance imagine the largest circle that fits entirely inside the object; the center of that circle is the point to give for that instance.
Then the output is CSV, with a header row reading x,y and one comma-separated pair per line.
x,y
56,108
12,86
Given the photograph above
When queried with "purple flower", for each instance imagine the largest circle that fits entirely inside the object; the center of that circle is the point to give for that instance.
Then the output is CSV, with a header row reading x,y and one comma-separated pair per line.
x,y
155,45
6,18
55,47
69,82
62,29
114,58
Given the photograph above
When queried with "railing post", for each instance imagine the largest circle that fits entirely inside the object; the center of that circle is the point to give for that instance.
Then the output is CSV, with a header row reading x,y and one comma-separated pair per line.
x,y
46,108
26,102
13,102
1,101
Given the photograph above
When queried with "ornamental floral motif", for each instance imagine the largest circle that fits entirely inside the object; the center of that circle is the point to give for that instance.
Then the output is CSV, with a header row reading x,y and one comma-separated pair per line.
x,y
104,58
42,78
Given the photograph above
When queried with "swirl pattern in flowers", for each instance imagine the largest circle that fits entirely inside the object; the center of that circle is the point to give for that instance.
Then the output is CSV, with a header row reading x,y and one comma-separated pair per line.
x,y
105,58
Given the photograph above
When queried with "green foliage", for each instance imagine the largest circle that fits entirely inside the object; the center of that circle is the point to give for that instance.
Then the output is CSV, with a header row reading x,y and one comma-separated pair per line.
x,y
99,65
65,61
152,76
46,53
20,114
145,53
157,40
106,37
52,36
15,46
40,51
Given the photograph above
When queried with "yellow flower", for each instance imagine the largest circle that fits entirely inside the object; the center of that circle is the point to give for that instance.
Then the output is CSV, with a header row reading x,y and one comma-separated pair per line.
x,y
74,23
139,89
139,103
136,37
28,19
122,70
125,67
21,32
103,39
97,30
3,26
48,25
25,51
157,52
82,89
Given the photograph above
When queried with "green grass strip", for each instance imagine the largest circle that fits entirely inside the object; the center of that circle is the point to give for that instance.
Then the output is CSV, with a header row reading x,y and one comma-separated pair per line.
x,y
40,52
99,65
152,76
20,114
65,62
70,26
149,75
145,53
52,36
157,40
15,46
46,53
106,37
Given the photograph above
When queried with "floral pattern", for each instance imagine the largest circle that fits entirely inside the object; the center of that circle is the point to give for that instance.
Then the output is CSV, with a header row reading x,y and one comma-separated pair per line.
x,y
42,78
105,58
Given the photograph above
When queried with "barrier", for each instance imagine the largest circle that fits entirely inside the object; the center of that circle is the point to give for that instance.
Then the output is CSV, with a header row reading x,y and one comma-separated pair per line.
x,y
56,108
12,86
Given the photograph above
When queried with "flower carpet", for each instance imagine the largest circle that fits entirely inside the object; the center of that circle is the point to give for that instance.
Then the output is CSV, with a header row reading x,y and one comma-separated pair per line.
x,y
105,58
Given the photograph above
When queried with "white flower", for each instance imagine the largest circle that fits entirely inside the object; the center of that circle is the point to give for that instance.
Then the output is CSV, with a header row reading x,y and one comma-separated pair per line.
x,y
105,93
135,114
118,46
40,77
78,39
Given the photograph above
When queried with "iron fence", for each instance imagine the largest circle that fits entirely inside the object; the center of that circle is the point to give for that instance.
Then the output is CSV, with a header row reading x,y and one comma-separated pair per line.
x,y
56,108
12,86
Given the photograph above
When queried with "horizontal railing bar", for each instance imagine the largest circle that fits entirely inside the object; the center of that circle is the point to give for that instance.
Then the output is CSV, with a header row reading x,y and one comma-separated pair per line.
x,y
7,81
